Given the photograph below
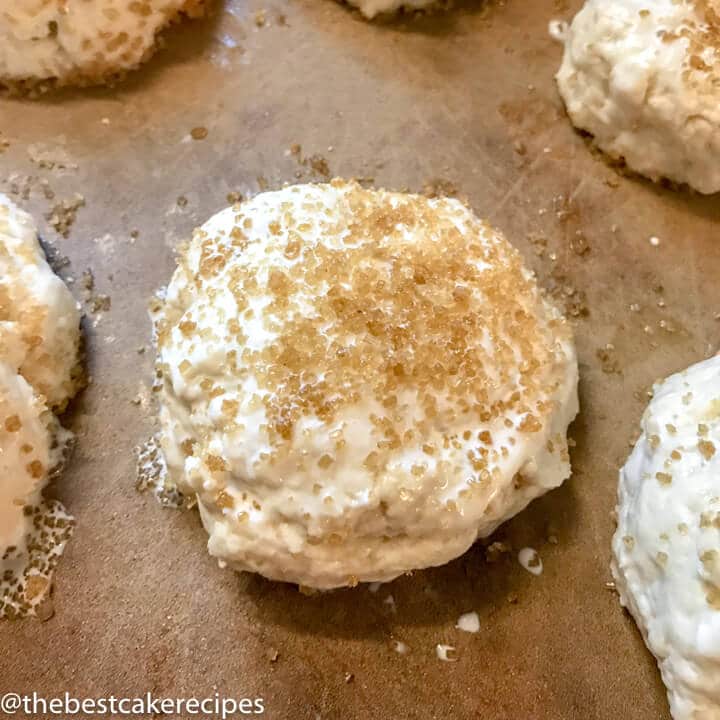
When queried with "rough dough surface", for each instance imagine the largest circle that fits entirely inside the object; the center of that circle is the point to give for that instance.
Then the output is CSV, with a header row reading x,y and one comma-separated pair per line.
x,y
644,79
667,545
81,41
39,338
39,319
357,383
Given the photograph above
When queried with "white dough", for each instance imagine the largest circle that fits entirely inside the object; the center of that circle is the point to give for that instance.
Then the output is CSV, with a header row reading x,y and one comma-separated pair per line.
x,y
644,79
39,319
357,383
82,40
667,545
39,338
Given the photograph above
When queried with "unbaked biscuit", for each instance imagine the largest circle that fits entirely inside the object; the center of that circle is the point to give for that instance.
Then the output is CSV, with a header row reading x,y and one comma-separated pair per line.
x,y
81,42
644,79
357,383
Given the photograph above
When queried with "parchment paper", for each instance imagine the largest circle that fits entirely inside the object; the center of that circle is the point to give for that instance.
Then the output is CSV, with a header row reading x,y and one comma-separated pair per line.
x,y
463,101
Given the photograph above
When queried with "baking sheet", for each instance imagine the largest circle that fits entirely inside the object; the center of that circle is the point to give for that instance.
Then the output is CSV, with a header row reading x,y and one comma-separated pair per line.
x,y
461,100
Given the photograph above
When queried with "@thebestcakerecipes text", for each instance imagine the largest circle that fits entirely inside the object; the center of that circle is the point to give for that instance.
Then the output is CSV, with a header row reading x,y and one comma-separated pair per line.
x,y
146,705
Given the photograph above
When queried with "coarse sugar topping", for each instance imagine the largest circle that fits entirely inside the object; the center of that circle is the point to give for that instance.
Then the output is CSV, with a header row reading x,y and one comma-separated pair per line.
x,y
702,30
386,294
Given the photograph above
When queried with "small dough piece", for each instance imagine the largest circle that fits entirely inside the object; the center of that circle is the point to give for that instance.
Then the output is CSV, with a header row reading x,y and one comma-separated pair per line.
x,y
667,545
371,8
39,318
81,41
644,79
357,383
39,373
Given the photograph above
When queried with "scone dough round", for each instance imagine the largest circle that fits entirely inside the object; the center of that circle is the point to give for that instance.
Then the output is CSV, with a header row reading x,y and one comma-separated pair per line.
x,y
644,79
358,383
81,42
39,373
667,545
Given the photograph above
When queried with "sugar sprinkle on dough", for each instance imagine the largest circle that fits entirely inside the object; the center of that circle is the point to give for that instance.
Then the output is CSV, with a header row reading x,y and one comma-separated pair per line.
x,y
666,549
